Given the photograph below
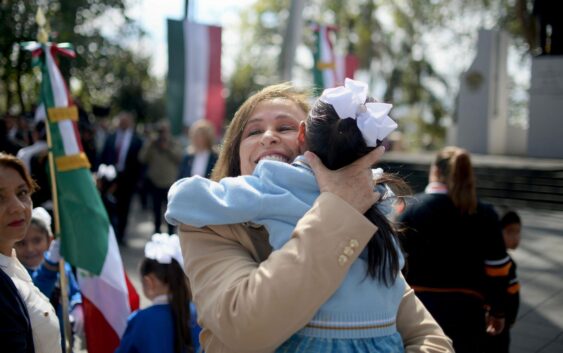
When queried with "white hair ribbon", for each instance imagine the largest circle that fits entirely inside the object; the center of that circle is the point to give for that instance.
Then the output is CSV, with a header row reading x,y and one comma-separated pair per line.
x,y
163,248
349,102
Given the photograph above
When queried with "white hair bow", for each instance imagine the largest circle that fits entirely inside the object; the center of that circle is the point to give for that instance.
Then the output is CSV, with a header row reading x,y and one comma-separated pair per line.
x,y
163,248
349,102
42,215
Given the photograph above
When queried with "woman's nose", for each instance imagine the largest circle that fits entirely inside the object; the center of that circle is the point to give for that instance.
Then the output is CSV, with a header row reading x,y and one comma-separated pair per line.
x,y
269,137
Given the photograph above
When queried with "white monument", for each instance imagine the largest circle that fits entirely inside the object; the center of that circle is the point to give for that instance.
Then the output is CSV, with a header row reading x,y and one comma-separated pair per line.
x,y
545,133
482,115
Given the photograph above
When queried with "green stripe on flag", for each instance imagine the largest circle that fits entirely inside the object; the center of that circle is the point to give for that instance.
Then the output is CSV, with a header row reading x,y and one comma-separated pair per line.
x,y
318,74
175,88
84,221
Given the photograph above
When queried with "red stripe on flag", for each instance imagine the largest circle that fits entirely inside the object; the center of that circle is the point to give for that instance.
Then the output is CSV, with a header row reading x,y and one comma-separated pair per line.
x,y
134,300
100,336
215,105
352,63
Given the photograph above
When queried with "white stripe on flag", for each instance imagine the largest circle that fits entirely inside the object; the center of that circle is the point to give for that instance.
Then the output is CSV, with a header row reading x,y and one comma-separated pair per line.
x,y
57,84
68,135
196,44
108,292
340,69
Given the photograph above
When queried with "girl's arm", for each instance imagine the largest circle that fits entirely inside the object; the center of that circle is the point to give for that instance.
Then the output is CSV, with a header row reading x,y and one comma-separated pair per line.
x,y
199,202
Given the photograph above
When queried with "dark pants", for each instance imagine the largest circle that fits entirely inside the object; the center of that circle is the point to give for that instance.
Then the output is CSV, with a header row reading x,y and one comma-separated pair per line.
x,y
461,316
123,195
159,198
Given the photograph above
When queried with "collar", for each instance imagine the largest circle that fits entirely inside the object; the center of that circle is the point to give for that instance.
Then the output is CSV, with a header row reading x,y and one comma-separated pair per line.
x,y
436,188
160,299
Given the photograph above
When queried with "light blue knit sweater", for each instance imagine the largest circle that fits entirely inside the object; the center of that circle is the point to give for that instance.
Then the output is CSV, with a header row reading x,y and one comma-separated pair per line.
x,y
277,195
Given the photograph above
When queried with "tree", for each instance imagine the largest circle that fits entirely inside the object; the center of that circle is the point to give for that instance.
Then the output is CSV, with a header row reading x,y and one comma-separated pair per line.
x,y
105,72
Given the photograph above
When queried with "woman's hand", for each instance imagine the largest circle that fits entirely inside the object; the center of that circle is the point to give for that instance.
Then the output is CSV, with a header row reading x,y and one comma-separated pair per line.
x,y
353,183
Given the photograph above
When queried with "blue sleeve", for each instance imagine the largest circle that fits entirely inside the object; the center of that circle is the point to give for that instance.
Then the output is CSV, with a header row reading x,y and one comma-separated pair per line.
x,y
74,296
199,202
44,279
129,341
195,328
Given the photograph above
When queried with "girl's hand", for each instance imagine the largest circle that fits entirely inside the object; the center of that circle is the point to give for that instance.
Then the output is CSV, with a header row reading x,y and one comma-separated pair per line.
x,y
495,325
353,183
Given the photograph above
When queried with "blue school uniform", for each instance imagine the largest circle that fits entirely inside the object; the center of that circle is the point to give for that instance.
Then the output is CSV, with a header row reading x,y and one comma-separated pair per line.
x,y
360,316
48,283
151,330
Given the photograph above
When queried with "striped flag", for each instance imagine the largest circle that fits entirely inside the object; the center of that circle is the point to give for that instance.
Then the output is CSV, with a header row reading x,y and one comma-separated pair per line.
x,y
194,86
330,69
87,238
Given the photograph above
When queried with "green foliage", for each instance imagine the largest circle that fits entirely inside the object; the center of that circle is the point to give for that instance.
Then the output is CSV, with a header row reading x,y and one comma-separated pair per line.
x,y
105,72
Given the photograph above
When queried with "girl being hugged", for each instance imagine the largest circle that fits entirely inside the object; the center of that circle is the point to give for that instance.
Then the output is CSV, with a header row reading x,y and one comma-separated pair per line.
x,y
343,125
169,324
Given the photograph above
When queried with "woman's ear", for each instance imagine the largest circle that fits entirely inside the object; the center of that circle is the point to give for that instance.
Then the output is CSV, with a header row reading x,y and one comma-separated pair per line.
x,y
301,137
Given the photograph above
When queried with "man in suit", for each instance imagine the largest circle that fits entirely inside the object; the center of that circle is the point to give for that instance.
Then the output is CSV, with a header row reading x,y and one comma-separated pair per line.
x,y
121,149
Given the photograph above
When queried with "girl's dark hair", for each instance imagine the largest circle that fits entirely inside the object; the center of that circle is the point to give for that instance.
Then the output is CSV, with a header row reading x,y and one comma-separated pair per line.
x,y
339,142
510,217
179,298
456,171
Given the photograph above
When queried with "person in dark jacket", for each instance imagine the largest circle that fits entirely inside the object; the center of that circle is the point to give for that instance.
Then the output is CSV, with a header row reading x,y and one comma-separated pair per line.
x,y
456,259
121,149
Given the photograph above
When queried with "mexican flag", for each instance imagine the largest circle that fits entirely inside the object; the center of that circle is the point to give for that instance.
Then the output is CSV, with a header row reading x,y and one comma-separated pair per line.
x,y
87,238
330,69
194,86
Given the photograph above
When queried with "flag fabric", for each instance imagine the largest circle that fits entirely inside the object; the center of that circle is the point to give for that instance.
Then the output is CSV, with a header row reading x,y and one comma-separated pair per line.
x,y
194,85
330,68
87,238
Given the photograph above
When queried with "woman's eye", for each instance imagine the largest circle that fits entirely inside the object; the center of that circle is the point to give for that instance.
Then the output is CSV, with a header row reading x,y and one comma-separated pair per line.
x,y
23,193
287,128
254,132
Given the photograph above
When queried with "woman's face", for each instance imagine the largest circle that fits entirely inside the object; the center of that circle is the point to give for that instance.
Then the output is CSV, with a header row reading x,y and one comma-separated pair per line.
x,y
199,141
271,133
15,209
30,249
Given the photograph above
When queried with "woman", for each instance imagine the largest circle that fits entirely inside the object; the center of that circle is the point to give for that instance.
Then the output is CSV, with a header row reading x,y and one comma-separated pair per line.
x,y
31,324
251,299
456,258
200,158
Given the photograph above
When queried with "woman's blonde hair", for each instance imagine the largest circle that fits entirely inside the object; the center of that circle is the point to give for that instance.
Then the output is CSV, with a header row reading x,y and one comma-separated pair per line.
x,y
228,164
207,130
456,171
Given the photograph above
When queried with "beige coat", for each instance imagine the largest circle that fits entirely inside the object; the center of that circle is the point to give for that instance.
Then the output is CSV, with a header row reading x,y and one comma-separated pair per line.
x,y
250,299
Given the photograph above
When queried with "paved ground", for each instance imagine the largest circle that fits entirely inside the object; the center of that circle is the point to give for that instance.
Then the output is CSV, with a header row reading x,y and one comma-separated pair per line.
x,y
539,328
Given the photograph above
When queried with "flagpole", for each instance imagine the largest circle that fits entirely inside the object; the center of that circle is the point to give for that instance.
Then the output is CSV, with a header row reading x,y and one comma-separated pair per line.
x,y
42,38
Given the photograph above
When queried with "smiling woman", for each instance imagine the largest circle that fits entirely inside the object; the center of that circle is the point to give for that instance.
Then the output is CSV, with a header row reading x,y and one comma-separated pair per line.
x,y
29,322
251,298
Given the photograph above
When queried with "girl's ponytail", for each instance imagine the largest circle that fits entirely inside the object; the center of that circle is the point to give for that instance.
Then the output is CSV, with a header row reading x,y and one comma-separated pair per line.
x,y
454,165
179,299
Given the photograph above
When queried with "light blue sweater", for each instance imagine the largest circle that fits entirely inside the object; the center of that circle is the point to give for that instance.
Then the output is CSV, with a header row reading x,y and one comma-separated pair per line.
x,y
277,195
